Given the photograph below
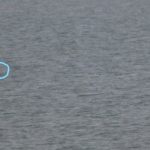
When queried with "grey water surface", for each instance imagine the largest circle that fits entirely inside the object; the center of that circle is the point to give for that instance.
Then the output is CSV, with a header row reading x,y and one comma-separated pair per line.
x,y
80,75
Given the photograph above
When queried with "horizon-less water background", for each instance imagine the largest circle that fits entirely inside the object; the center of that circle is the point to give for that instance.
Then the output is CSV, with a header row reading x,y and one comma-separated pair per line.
x,y
80,75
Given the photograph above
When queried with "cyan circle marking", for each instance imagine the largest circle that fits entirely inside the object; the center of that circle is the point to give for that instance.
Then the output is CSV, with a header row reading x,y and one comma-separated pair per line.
x,y
7,72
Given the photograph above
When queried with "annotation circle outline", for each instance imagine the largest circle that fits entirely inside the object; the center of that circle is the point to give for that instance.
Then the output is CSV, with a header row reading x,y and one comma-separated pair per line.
x,y
7,72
